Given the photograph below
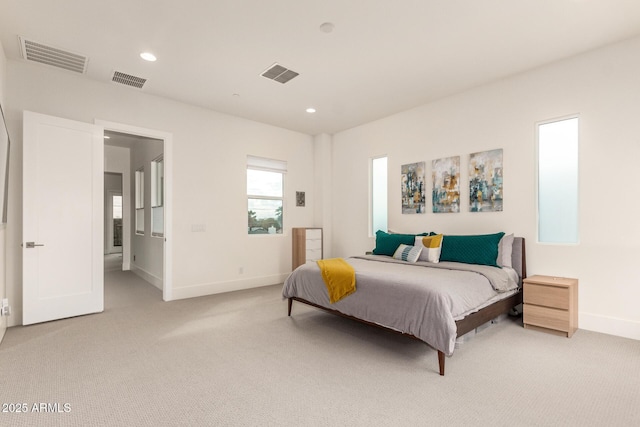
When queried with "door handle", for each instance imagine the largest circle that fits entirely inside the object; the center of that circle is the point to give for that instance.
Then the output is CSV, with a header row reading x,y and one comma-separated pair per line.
x,y
31,245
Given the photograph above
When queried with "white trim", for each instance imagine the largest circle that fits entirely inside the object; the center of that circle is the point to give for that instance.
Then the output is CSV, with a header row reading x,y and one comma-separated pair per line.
x,y
203,289
263,163
167,264
609,325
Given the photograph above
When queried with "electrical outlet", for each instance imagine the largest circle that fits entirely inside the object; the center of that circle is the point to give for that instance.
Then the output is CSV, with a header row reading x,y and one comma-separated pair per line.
x,y
5,309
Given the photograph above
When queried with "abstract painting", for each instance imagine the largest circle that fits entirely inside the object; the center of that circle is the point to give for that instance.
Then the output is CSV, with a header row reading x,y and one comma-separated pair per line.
x,y
413,188
485,181
446,185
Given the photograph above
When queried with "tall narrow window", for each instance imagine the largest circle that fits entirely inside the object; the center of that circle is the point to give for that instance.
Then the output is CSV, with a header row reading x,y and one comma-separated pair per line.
x,y
558,181
265,194
157,197
378,194
139,178
116,202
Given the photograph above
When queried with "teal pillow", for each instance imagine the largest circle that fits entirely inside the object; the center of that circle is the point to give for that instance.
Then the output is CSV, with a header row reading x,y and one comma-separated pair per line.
x,y
386,243
476,249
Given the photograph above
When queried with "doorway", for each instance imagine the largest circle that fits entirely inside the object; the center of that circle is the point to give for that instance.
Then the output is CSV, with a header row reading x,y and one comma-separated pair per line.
x,y
146,242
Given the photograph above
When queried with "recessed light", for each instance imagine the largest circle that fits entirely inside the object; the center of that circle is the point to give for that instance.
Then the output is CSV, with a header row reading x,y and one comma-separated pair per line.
x,y
311,110
148,56
107,137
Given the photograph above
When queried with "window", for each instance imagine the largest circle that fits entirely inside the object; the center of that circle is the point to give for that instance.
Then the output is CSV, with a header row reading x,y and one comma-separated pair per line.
x,y
157,197
265,194
116,203
378,194
117,207
558,181
139,195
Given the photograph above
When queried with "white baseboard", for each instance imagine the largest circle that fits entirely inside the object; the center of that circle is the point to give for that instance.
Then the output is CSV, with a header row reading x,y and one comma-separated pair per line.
x,y
221,287
609,325
146,276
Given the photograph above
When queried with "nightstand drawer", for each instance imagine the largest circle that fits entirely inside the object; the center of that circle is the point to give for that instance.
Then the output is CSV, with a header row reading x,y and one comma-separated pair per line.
x,y
546,317
548,296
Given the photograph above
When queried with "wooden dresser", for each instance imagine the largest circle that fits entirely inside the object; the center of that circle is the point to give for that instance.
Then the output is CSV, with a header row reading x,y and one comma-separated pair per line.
x,y
307,246
551,304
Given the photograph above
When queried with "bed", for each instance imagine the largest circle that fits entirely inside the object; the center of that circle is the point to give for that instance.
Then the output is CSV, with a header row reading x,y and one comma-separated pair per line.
x,y
432,302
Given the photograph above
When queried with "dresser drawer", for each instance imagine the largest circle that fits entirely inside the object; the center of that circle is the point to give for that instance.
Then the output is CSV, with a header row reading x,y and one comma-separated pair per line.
x,y
314,234
314,254
545,317
313,244
548,296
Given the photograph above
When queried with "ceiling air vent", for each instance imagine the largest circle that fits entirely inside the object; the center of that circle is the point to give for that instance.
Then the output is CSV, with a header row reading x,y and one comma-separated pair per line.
x,y
128,79
56,57
279,73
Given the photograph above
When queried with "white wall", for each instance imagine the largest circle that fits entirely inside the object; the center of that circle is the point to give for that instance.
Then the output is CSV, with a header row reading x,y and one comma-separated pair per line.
x,y
602,87
323,187
3,231
209,177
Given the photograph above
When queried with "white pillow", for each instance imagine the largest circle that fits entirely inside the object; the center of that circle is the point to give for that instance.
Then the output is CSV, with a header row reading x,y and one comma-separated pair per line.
x,y
431,247
407,253
505,250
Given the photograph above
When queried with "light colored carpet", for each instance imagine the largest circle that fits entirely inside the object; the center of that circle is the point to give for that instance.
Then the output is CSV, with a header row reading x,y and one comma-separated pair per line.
x,y
113,262
236,359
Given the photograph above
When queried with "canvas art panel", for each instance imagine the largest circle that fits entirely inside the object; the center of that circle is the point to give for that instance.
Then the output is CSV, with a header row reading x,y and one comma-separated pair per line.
x,y
485,181
445,194
413,199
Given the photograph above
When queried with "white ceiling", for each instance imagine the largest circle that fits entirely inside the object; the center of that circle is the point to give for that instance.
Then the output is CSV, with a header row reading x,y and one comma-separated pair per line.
x,y
384,56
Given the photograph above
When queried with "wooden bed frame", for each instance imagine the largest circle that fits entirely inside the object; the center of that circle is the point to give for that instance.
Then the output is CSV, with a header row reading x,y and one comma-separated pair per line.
x,y
464,325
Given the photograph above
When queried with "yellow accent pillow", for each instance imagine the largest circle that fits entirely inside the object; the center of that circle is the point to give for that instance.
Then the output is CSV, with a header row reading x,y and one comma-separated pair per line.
x,y
431,246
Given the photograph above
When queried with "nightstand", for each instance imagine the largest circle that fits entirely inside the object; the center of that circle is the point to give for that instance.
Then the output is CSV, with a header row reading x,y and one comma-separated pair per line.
x,y
551,304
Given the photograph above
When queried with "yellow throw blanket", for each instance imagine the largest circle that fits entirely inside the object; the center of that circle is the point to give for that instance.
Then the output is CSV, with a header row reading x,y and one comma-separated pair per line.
x,y
339,277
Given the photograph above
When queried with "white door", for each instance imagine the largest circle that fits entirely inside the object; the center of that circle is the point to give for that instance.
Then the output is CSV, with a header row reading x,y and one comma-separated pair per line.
x,y
63,218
